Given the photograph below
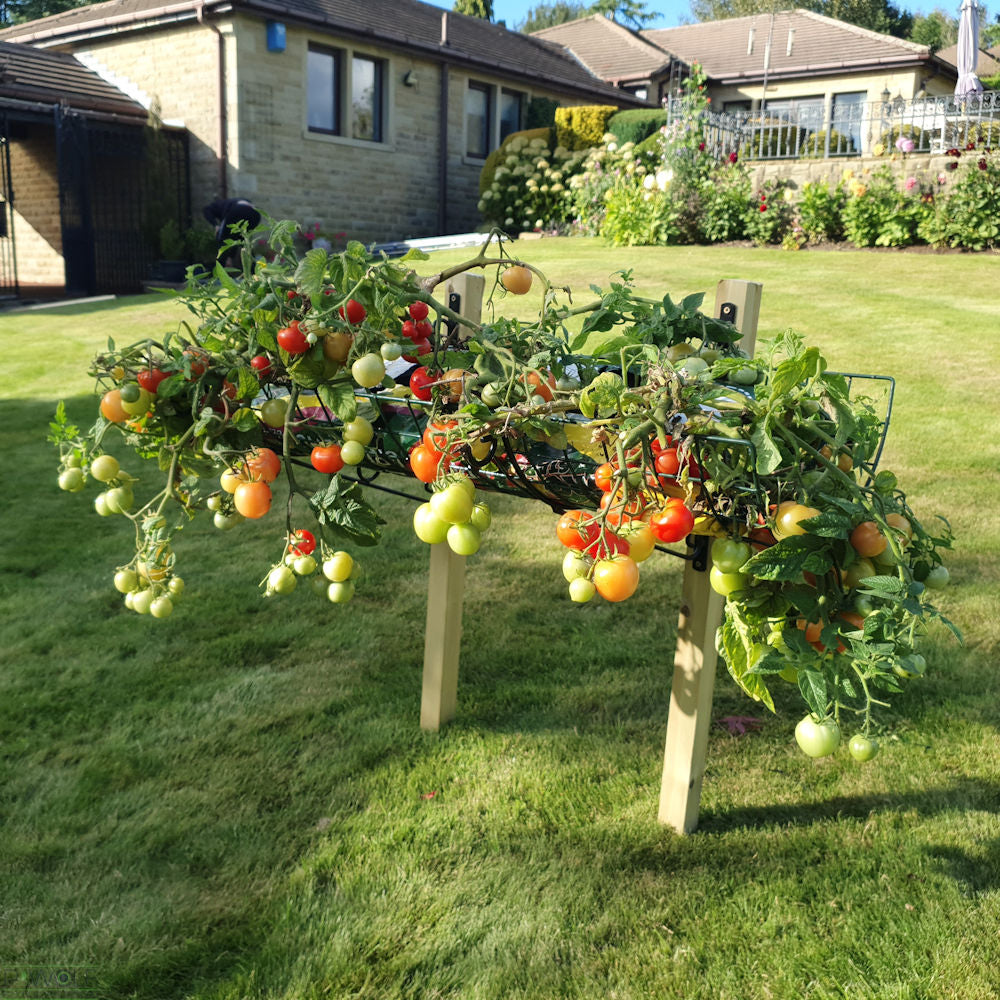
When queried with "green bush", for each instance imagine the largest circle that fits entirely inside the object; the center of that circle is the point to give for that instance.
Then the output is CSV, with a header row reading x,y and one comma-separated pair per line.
x,y
878,214
820,211
725,202
815,144
500,153
651,148
582,127
637,217
769,216
969,216
541,113
636,124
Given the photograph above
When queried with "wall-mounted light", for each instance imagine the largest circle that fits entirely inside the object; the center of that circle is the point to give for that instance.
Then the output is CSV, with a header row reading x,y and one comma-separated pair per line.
x,y
410,79
886,95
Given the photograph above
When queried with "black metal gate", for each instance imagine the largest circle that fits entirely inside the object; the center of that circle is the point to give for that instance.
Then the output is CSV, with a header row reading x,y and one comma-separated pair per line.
x,y
118,186
8,258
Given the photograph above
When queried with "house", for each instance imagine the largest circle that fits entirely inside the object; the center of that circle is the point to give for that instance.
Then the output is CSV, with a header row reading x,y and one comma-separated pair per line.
x,y
808,68
370,117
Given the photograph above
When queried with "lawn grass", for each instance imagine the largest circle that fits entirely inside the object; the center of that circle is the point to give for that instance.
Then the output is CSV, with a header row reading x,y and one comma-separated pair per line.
x,y
238,802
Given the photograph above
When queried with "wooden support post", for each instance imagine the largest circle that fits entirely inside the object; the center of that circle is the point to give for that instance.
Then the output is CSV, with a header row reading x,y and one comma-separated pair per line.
x,y
695,657
446,578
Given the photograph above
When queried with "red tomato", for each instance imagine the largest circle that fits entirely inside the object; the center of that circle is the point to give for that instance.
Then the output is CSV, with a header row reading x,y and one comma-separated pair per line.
x,y
150,379
603,476
418,310
354,312
673,522
302,542
425,329
261,364
603,547
420,380
326,458
292,339
436,436
409,330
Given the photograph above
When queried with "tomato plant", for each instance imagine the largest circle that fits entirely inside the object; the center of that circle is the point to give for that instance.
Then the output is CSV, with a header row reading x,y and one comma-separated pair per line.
x,y
292,339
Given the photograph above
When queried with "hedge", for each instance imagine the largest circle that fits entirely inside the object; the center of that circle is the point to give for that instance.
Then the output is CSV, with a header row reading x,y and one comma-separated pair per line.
x,y
636,124
582,127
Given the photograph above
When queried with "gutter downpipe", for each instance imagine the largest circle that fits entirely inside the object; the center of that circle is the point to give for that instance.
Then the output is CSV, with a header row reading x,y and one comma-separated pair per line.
x,y
223,111
443,138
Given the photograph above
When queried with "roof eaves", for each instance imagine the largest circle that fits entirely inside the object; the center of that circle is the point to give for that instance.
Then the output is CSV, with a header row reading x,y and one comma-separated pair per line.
x,y
82,27
820,69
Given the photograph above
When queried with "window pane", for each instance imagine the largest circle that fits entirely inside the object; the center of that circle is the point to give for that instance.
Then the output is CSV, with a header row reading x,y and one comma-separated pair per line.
x,y
366,99
477,120
321,89
848,112
510,113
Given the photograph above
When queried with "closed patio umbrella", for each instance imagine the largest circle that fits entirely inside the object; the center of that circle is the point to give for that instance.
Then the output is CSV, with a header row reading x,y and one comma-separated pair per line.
x,y
968,50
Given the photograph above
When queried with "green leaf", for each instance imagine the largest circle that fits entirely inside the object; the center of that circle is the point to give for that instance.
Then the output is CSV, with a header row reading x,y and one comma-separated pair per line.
x,y
730,644
244,420
338,398
311,273
885,482
223,277
787,375
415,253
768,453
789,559
307,370
172,386
829,524
342,510
882,586
812,685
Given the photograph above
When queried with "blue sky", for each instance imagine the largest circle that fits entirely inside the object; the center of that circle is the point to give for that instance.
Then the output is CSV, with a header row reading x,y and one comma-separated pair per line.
x,y
674,12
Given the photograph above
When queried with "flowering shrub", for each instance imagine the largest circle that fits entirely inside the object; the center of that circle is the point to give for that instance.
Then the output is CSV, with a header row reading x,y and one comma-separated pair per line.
x,y
770,215
970,215
529,186
880,214
725,197
820,210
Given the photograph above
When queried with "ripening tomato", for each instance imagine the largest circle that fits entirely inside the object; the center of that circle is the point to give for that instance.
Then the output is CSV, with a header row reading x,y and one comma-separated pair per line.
x,y
902,525
576,530
263,464
326,458
111,407
436,436
640,538
604,476
516,279
425,463
199,360
292,339
543,387
867,540
672,522
252,500
230,479
787,518
616,578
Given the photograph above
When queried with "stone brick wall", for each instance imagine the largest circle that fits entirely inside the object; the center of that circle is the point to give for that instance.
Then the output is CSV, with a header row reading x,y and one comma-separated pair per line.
x,y
37,230
926,168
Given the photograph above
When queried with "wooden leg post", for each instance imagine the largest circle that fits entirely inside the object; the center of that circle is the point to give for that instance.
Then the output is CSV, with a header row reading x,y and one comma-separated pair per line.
x,y
695,658
446,579
443,637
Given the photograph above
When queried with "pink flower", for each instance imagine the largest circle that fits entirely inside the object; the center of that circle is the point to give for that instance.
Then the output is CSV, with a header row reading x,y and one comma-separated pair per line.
x,y
910,183
905,144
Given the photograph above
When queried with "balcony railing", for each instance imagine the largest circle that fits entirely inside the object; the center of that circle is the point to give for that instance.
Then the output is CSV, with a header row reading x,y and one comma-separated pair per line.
x,y
933,124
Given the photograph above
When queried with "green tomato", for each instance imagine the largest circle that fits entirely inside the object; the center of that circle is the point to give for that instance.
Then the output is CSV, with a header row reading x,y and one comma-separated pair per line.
x,y
575,565
162,607
71,480
142,601
369,370
360,430
272,411
139,405
175,587
747,375
937,578
126,580
391,351
104,468
281,580
226,522
304,566
338,567
490,395
452,504
101,505
858,571
340,593
862,747
481,517
864,605
726,583
729,555
319,584
886,559
214,503
427,526
463,539
120,499
352,453
817,738
581,590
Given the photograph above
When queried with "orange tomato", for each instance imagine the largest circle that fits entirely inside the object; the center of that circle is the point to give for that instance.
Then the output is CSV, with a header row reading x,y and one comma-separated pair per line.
x,y
516,279
252,500
540,387
616,578
425,462
111,407
263,464
867,540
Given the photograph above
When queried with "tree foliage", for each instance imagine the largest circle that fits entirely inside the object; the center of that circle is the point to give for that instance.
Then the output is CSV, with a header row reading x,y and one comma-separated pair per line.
x,y
19,11
938,29
547,15
475,8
